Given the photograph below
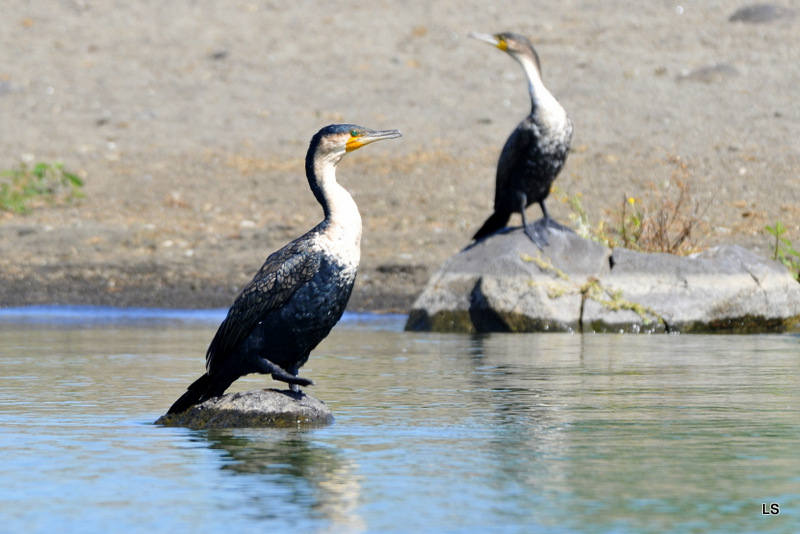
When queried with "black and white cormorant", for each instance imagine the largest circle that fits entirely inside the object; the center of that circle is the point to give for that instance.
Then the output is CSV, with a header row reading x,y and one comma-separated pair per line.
x,y
301,291
534,153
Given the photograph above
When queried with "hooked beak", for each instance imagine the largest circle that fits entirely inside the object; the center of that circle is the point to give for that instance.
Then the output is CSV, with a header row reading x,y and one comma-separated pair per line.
x,y
491,39
371,136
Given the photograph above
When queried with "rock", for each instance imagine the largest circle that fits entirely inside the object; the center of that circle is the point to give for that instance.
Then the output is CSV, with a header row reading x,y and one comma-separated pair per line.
x,y
255,408
506,284
709,73
761,13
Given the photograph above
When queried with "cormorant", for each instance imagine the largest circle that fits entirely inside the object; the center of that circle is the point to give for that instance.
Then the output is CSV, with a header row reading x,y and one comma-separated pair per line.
x,y
534,153
301,291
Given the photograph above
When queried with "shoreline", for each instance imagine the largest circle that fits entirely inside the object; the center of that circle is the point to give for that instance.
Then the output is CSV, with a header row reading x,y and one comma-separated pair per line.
x,y
153,290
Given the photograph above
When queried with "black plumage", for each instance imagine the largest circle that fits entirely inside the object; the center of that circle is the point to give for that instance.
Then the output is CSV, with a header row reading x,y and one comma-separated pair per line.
x,y
535,151
301,291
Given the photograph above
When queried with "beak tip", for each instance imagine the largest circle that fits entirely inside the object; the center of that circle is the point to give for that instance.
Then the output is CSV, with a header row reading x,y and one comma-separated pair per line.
x,y
485,37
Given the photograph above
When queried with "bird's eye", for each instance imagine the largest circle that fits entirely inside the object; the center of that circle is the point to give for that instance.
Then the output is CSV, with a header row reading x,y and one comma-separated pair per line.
x,y
353,133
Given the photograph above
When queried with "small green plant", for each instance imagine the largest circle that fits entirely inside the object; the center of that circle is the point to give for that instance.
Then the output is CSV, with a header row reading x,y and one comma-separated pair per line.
x,y
26,187
579,216
631,227
784,250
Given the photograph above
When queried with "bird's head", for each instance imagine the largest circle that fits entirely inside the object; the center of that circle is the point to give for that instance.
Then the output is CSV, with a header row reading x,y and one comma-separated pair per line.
x,y
514,44
337,139
331,143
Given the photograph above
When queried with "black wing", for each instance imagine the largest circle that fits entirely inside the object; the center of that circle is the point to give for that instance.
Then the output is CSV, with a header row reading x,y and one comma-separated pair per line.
x,y
283,273
514,157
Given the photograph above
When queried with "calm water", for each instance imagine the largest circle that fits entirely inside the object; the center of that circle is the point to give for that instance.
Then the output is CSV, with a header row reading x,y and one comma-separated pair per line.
x,y
433,433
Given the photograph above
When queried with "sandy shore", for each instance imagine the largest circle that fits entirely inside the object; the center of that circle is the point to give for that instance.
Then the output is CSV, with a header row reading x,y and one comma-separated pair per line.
x,y
189,122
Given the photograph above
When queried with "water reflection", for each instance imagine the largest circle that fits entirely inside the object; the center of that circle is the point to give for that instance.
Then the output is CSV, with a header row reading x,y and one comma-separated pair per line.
x,y
650,430
526,418
291,477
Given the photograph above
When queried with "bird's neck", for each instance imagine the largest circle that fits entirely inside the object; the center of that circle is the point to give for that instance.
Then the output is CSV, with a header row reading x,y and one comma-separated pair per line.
x,y
544,105
342,224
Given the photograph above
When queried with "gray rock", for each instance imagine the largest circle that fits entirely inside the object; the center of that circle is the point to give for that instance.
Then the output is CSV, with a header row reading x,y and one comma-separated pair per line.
x,y
761,13
255,408
506,284
709,73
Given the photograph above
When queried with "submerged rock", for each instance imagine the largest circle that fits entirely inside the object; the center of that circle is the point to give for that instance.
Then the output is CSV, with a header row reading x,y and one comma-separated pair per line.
x,y
255,408
506,284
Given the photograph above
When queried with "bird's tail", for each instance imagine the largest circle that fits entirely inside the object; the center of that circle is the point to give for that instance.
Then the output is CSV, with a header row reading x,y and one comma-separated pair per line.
x,y
495,222
201,390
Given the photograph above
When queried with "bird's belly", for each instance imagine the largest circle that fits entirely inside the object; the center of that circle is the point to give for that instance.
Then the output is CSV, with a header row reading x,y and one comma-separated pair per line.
x,y
532,176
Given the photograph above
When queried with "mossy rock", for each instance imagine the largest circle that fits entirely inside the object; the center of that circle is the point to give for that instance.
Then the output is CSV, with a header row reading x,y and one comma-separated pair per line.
x,y
258,408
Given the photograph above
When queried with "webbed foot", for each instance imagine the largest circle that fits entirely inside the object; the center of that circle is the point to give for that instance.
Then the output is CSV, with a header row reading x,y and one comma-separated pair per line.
x,y
280,374
555,225
537,232
294,381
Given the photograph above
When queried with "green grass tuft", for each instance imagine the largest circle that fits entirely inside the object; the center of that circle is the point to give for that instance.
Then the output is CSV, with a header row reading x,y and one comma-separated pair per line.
x,y
25,188
784,251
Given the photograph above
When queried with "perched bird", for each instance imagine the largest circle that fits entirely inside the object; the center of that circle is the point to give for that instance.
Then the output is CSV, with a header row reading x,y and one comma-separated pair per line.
x,y
301,291
534,153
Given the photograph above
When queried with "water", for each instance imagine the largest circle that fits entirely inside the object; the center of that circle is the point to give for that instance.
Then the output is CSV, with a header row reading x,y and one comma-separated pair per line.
x,y
433,433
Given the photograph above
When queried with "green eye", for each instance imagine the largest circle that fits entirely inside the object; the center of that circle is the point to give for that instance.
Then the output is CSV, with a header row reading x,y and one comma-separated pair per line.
x,y
353,133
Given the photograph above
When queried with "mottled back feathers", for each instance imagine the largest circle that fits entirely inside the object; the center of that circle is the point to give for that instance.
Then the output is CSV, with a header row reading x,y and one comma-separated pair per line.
x,y
283,273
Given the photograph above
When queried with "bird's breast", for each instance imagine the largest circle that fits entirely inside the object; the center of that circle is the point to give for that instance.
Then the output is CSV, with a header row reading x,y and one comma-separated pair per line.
x,y
342,243
319,304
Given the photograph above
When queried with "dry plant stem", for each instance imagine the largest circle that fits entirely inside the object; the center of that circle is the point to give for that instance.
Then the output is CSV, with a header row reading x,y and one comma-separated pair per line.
x,y
669,225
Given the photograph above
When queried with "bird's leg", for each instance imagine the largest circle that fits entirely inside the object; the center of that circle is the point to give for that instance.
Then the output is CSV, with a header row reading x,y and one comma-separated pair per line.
x,y
536,232
278,373
549,222
294,370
